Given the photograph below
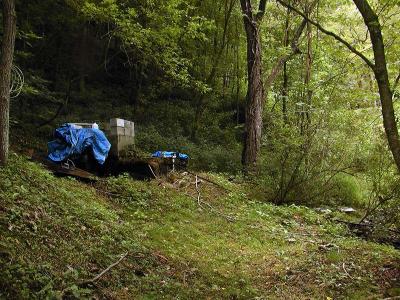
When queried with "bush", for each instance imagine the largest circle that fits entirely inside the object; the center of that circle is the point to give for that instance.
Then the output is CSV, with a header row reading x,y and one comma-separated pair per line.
x,y
204,155
345,190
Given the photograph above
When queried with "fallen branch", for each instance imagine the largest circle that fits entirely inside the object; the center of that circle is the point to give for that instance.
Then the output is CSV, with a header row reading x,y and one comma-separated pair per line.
x,y
209,180
198,192
347,273
370,225
152,172
98,276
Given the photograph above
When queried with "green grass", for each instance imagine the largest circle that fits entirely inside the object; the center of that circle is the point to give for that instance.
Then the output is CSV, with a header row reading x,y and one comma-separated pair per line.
x,y
58,232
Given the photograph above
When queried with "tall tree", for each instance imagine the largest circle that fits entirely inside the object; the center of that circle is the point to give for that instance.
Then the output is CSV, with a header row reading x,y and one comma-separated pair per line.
x,y
255,89
285,83
6,60
380,70
308,67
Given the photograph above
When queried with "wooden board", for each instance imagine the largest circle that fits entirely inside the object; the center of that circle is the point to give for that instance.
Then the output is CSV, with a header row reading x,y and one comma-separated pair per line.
x,y
61,169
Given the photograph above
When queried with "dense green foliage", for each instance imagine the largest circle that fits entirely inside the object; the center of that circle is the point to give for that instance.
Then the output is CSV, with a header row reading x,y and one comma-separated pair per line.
x,y
177,68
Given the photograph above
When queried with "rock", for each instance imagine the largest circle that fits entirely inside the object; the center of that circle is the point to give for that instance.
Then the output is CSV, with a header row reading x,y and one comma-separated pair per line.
x,y
323,210
347,210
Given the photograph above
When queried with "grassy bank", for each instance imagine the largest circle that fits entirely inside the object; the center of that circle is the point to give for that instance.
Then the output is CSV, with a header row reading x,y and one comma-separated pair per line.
x,y
58,233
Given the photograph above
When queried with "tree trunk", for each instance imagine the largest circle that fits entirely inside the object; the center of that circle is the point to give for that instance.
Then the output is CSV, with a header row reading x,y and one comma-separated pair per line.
x,y
7,52
382,78
255,89
309,59
285,83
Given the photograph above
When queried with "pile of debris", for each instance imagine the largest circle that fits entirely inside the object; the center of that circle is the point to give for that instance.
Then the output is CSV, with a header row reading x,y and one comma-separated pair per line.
x,y
85,151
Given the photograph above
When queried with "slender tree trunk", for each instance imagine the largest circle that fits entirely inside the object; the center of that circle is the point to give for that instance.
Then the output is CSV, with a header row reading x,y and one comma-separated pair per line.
x,y
285,83
237,85
382,78
6,60
308,67
255,89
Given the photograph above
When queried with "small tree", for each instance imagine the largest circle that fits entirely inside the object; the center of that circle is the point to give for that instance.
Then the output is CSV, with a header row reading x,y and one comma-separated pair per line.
x,y
6,60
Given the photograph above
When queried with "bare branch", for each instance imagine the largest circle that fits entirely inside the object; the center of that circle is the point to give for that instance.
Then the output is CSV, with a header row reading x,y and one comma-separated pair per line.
x,y
396,82
97,277
295,50
330,33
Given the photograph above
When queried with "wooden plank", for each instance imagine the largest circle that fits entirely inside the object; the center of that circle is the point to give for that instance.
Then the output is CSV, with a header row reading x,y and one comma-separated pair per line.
x,y
63,170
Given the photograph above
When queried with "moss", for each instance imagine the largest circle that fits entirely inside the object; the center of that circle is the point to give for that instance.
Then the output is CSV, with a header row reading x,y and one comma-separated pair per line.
x,y
58,232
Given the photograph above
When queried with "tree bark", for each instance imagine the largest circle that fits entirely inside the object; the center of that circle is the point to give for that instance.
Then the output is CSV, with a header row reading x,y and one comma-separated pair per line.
x,y
6,60
255,88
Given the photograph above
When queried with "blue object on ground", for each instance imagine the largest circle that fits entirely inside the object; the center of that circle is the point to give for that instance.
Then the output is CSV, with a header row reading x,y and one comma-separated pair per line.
x,y
170,154
72,141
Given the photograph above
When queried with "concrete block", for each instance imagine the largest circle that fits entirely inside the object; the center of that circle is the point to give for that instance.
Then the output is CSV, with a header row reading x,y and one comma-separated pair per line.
x,y
128,131
117,131
116,122
121,137
127,124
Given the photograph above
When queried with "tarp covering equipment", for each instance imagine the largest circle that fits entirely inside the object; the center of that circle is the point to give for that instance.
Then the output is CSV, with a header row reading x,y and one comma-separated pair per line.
x,y
170,154
71,141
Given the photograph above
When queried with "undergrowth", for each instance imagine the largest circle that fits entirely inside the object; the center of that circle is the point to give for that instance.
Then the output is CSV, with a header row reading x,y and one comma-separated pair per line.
x,y
58,233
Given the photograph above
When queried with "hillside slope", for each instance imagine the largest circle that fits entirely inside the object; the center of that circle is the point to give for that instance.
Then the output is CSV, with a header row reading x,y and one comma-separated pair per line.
x,y
58,233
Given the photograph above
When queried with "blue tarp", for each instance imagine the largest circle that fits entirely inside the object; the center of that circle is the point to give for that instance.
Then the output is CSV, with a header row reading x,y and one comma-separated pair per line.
x,y
170,154
72,141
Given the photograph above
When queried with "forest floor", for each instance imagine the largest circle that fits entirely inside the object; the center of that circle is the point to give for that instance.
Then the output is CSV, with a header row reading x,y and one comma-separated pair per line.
x,y
57,234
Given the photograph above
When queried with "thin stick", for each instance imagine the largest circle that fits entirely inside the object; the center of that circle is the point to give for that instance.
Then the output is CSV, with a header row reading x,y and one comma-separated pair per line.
x,y
198,192
97,277
200,202
152,172
347,273
208,180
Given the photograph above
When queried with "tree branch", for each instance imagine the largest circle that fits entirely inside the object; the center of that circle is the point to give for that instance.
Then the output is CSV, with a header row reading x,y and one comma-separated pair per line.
x,y
295,50
396,82
330,33
97,277
261,10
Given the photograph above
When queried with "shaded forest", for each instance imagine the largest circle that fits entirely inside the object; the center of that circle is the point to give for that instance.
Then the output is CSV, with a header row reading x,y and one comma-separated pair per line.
x,y
188,74
289,102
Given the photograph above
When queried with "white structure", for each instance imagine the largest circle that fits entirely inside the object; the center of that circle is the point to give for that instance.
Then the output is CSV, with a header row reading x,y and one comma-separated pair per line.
x,y
121,134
